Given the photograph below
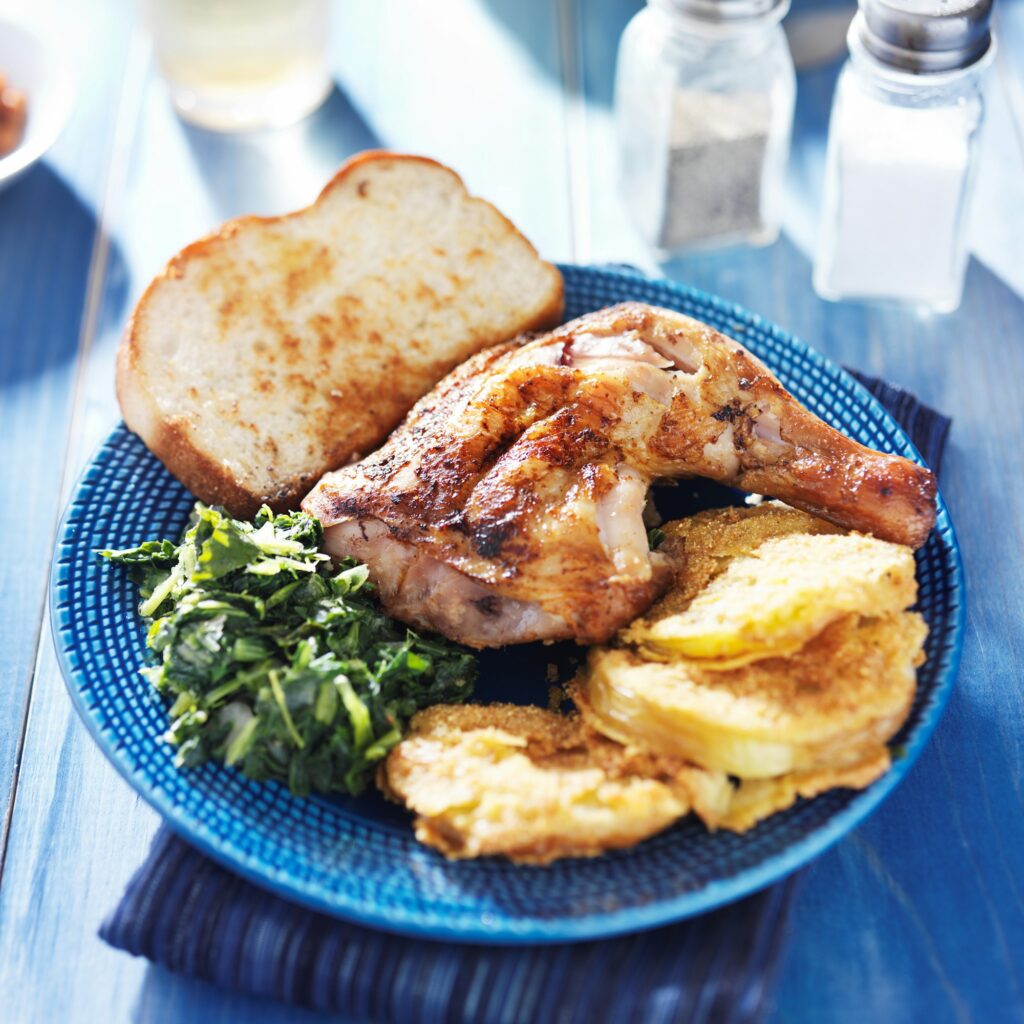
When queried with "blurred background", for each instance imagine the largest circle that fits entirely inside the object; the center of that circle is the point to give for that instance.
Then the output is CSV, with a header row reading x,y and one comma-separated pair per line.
x,y
517,96
489,86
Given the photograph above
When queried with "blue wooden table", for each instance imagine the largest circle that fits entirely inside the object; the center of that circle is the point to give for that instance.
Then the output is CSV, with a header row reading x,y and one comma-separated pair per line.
x,y
919,915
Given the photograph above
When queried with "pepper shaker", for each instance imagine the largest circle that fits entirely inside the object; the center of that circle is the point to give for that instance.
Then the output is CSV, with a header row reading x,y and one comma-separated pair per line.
x,y
704,100
902,139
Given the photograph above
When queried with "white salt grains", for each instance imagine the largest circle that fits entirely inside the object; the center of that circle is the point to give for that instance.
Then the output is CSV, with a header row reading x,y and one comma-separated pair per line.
x,y
895,201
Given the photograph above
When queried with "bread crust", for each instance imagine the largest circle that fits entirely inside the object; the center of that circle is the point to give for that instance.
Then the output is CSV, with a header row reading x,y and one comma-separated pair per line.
x,y
204,477
169,438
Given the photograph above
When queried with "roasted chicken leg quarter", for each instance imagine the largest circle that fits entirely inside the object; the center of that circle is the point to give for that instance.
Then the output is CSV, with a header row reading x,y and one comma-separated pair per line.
x,y
508,507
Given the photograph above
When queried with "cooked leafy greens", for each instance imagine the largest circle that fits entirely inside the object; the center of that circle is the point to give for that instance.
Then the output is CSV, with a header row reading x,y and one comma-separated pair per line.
x,y
277,661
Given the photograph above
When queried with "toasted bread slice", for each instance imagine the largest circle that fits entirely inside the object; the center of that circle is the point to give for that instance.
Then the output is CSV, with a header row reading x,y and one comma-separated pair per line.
x,y
279,348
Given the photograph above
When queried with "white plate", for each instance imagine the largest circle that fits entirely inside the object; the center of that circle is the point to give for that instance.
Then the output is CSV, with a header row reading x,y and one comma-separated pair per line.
x,y
42,72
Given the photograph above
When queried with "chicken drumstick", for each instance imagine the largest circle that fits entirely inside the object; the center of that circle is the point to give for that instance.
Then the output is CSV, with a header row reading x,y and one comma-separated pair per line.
x,y
508,506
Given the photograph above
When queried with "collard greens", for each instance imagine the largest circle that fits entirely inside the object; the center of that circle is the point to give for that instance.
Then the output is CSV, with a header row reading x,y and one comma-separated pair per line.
x,y
277,661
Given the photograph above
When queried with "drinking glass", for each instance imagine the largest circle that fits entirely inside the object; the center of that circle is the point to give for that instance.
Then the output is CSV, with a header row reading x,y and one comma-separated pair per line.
x,y
237,65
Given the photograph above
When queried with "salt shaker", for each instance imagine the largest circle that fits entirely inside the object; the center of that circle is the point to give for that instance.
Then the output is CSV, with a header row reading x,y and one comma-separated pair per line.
x,y
905,119
704,99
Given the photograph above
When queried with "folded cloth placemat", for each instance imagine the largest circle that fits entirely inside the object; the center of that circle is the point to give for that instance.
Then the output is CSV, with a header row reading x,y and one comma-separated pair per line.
x,y
193,916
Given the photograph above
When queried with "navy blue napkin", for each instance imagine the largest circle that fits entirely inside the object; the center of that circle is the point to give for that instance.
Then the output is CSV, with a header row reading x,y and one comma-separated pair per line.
x,y
190,915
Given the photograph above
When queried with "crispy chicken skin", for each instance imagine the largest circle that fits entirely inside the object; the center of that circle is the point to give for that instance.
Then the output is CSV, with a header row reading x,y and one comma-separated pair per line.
x,y
508,506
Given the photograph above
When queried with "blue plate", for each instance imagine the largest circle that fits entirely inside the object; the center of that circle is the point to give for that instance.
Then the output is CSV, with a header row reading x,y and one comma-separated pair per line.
x,y
357,858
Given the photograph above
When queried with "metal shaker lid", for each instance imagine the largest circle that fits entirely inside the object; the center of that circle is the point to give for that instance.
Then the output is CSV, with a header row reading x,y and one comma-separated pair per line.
x,y
725,11
924,36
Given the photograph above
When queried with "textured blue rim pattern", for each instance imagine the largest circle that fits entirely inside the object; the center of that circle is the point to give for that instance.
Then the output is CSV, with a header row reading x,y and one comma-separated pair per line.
x,y
355,859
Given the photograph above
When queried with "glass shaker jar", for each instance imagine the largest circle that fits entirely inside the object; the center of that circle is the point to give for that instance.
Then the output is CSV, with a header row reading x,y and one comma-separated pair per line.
x,y
899,167
704,98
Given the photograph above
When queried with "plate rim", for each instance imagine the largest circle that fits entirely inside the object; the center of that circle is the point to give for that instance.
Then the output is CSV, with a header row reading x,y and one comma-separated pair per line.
x,y
532,930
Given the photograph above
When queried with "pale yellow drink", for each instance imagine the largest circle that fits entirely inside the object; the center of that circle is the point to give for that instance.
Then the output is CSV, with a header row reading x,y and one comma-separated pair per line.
x,y
234,65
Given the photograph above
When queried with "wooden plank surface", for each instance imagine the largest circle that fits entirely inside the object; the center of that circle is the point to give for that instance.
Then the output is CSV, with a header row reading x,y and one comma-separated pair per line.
x,y
921,910
48,232
916,916
78,832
